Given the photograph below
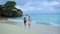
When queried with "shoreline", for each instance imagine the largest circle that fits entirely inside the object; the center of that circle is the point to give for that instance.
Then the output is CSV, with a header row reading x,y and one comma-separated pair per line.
x,y
36,22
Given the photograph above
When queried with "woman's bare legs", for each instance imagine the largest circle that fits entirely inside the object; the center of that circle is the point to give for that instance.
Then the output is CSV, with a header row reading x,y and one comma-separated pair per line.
x,y
29,25
25,24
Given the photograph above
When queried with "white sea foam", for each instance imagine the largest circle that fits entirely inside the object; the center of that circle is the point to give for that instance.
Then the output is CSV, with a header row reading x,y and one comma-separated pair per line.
x,y
54,24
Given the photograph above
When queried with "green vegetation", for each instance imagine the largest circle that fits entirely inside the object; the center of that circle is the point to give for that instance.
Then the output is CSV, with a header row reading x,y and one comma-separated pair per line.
x,y
9,10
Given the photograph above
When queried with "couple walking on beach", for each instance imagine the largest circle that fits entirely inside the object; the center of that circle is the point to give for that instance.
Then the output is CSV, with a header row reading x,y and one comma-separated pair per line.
x,y
29,21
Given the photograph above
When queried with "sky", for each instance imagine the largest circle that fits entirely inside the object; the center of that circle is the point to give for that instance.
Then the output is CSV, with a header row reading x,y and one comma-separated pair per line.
x,y
36,6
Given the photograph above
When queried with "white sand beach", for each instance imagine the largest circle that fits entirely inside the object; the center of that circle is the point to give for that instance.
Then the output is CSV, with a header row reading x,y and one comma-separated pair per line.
x,y
12,27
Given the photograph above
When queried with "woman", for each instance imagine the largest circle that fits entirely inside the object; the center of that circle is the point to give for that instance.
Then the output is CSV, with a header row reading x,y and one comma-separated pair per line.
x,y
25,21
29,22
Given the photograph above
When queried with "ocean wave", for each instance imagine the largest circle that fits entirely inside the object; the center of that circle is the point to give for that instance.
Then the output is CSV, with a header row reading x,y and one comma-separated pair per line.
x,y
45,23
50,23
54,24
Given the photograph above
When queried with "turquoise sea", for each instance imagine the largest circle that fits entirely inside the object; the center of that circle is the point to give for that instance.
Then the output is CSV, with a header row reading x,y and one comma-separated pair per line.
x,y
47,19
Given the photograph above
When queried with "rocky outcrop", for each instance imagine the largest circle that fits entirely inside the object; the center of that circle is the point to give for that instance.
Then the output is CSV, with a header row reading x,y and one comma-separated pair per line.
x,y
9,10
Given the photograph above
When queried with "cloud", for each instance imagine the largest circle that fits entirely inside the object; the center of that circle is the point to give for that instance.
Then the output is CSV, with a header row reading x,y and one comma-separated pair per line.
x,y
41,7
37,6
